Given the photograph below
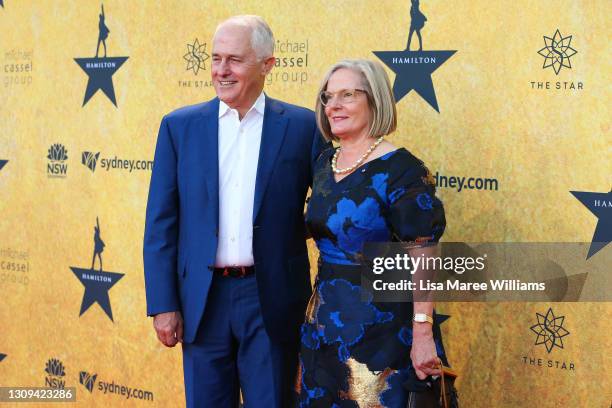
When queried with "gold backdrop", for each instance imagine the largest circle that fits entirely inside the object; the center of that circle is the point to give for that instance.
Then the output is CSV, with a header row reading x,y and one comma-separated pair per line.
x,y
495,122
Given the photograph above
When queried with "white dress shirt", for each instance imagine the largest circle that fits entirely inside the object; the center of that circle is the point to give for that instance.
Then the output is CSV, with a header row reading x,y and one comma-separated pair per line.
x,y
239,142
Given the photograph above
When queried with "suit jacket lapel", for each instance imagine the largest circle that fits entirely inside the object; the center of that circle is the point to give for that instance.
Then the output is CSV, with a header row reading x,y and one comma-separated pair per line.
x,y
272,136
209,129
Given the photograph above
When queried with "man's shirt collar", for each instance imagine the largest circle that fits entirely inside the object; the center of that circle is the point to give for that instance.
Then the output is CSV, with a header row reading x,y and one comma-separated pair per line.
x,y
259,106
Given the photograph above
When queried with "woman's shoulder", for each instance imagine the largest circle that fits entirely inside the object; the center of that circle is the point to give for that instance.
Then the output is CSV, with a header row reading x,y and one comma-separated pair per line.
x,y
402,163
402,158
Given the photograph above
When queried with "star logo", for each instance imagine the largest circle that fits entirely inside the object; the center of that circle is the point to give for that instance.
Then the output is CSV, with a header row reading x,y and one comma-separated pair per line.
x,y
3,163
549,330
557,52
599,204
100,70
441,318
97,283
196,57
413,69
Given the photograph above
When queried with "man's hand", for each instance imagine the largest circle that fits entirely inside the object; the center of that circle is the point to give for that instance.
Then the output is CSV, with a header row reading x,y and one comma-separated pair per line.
x,y
169,328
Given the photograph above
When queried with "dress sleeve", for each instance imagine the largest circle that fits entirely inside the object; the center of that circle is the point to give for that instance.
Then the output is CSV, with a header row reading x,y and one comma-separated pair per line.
x,y
415,213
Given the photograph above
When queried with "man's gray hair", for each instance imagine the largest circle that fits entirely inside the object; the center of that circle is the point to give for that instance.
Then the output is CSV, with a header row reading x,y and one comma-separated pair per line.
x,y
262,39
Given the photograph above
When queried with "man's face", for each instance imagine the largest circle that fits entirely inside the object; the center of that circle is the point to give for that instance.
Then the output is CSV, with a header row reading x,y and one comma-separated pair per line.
x,y
237,75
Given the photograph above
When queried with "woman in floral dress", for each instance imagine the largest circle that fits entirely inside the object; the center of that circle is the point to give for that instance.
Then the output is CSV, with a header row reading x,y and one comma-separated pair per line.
x,y
356,352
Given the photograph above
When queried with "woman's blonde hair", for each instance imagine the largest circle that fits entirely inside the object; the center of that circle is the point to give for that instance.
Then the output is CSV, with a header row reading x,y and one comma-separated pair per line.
x,y
380,97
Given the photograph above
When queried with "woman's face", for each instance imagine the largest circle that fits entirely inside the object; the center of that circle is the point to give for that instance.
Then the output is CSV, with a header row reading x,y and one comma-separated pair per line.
x,y
351,119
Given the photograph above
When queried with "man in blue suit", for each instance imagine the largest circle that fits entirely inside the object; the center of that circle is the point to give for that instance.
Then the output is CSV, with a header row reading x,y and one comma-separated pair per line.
x,y
225,258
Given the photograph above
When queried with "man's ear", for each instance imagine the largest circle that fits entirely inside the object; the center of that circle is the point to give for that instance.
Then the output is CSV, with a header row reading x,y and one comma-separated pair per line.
x,y
268,65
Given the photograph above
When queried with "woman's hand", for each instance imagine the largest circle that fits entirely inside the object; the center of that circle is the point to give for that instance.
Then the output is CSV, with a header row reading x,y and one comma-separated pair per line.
x,y
423,354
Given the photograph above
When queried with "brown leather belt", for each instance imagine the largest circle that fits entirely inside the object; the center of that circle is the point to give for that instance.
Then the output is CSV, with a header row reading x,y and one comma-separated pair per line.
x,y
234,271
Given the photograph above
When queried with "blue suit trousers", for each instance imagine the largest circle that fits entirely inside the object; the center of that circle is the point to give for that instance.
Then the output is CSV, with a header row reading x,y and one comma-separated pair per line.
x,y
233,352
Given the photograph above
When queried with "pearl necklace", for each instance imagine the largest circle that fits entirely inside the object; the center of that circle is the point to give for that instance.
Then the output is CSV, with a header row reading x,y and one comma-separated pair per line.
x,y
358,162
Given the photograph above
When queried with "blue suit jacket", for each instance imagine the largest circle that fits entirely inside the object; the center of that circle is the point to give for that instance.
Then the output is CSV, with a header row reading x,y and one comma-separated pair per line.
x,y
182,219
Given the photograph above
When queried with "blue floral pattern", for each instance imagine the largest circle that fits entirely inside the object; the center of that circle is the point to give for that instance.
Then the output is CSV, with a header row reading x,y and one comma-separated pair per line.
x,y
310,336
379,184
396,194
308,394
388,198
354,224
344,315
424,201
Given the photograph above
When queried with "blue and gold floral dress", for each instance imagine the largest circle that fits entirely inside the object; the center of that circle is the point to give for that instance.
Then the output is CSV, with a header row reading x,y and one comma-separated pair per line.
x,y
356,352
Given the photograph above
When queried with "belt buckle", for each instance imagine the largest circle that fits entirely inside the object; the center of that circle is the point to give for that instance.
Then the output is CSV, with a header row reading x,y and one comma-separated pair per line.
x,y
234,271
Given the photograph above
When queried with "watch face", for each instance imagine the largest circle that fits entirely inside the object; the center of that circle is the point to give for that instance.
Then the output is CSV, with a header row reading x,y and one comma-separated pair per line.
x,y
420,318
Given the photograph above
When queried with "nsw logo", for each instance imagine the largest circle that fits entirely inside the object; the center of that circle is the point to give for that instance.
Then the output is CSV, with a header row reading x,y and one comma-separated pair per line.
x,y
57,166
55,374
87,380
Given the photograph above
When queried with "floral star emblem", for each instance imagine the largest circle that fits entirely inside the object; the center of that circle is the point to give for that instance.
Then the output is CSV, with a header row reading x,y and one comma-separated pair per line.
x,y
557,52
196,56
549,330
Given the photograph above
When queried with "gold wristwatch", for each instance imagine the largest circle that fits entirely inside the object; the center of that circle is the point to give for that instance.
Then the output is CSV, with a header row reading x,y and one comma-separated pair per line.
x,y
422,318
